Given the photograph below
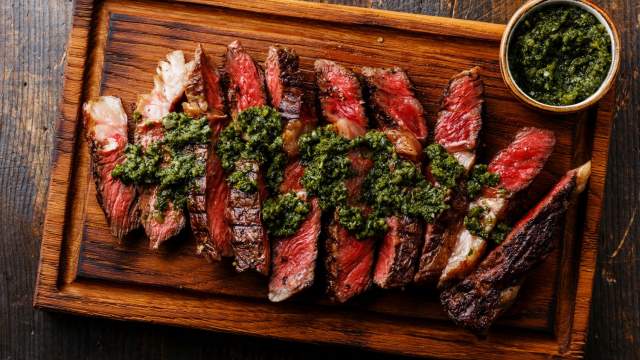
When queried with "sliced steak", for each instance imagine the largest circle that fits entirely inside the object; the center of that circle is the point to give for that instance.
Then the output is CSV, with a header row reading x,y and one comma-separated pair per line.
x,y
460,117
348,262
284,82
457,127
517,165
169,85
485,294
393,103
244,214
105,125
245,80
294,257
341,98
205,99
398,253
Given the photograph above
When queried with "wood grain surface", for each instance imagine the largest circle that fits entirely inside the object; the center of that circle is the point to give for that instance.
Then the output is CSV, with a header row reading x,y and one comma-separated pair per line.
x,y
30,89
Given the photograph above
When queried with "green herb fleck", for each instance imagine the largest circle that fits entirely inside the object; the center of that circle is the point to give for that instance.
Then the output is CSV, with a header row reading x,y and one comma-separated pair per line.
x,y
473,222
500,233
444,167
284,213
480,176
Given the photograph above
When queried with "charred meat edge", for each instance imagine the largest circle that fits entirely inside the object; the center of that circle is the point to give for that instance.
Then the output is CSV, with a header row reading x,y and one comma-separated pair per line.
x,y
244,210
169,84
485,294
105,122
523,159
205,99
440,237
398,253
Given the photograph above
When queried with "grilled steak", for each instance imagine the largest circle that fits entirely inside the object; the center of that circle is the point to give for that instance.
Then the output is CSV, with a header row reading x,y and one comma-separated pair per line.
x,y
105,125
248,236
204,98
517,166
169,84
217,197
477,301
244,213
340,98
294,257
392,101
246,80
457,127
284,82
398,253
349,261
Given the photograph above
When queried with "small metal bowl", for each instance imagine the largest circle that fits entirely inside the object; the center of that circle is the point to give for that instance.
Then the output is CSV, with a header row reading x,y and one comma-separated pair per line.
x,y
535,5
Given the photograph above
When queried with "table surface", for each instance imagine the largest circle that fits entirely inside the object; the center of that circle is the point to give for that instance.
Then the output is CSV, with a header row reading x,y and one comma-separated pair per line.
x,y
33,37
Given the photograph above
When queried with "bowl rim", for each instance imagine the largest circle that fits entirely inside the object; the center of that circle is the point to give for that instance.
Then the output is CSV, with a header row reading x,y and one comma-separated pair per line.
x,y
606,84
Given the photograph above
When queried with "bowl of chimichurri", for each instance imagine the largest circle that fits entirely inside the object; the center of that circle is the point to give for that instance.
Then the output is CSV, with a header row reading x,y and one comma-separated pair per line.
x,y
560,56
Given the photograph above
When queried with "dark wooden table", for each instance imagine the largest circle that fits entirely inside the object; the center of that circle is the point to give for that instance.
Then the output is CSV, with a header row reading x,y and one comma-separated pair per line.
x,y
33,35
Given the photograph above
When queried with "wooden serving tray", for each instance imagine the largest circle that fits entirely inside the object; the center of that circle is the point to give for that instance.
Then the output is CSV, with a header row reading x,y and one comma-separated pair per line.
x,y
114,48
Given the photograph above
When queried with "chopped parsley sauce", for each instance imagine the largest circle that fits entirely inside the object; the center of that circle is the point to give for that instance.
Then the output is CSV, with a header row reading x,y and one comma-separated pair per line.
x,y
480,176
560,54
393,186
256,134
444,167
284,213
167,163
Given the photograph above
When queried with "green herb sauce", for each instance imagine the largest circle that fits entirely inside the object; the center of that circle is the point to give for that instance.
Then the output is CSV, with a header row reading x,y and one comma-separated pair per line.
x,y
256,134
480,176
473,222
500,233
283,214
392,186
166,163
444,167
560,55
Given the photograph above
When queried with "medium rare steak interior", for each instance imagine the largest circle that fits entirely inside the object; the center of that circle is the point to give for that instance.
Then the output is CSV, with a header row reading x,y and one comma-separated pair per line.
x,y
477,301
105,125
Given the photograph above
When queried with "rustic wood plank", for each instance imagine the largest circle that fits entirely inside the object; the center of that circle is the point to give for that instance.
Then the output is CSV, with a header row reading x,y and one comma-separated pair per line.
x,y
34,33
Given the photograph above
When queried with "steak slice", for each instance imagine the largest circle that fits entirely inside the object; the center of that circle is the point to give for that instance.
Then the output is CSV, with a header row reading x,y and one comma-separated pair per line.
x,y
457,127
484,295
169,85
294,257
284,82
348,262
398,253
340,98
517,165
393,103
245,80
204,98
244,214
105,125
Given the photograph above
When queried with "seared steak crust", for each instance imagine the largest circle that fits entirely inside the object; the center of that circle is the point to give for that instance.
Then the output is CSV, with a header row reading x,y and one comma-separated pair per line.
x,y
244,214
284,82
106,131
487,292
398,253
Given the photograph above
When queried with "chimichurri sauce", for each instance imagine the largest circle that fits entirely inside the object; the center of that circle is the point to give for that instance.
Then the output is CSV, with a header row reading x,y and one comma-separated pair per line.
x,y
560,55
167,163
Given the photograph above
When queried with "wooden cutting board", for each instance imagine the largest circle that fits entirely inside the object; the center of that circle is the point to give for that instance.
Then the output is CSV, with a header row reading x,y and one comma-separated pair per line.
x,y
114,48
